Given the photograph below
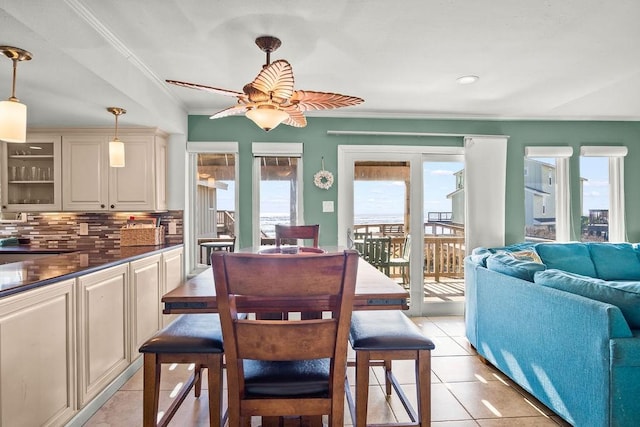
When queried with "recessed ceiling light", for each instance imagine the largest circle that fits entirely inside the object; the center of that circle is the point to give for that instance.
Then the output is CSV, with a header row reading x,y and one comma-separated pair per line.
x,y
467,80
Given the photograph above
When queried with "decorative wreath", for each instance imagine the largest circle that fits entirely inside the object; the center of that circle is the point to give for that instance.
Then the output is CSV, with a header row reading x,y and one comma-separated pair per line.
x,y
323,179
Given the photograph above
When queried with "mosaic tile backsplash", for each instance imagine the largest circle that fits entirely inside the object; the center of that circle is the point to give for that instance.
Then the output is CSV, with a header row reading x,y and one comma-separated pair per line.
x,y
61,230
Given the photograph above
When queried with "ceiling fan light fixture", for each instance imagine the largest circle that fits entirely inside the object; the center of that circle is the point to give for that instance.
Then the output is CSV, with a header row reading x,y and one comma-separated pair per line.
x,y
116,147
267,117
13,114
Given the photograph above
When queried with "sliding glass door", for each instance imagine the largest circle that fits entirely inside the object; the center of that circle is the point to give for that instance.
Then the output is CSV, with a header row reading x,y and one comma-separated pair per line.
x,y
386,196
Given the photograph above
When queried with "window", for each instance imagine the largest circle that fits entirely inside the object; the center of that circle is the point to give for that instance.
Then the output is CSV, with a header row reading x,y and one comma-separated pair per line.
x,y
546,193
602,191
277,184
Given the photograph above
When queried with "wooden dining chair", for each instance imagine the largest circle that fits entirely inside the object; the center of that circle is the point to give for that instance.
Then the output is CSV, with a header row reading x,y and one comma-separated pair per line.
x,y
293,232
282,368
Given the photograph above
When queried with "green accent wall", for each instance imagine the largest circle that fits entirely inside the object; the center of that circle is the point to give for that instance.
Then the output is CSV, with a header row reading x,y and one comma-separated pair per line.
x,y
521,133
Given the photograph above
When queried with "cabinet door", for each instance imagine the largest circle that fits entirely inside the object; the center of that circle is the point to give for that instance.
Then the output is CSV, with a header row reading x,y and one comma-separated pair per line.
x,y
37,351
132,187
103,329
145,278
31,178
85,177
172,276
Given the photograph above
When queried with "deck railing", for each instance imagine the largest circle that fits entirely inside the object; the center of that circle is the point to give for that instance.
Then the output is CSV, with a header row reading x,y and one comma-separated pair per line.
x,y
226,222
444,257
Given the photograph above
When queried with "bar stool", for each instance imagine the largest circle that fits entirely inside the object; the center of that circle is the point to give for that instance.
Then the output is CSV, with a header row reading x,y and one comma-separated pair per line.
x,y
378,337
191,338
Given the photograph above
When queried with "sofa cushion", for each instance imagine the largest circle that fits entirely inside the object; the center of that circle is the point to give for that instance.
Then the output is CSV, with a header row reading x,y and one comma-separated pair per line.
x,y
615,261
571,257
480,255
624,295
507,264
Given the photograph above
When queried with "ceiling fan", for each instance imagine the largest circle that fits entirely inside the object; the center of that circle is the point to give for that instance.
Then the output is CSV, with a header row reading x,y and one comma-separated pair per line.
x,y
270,98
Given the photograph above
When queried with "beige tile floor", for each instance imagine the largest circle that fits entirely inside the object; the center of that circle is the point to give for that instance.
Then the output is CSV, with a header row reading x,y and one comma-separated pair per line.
x,y
465,392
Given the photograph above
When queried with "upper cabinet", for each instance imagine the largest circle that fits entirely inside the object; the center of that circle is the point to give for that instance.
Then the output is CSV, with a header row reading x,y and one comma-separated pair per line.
x,y
90,184
31,174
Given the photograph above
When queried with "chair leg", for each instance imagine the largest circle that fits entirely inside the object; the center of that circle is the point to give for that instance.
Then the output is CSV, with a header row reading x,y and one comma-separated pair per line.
x,y
423,386
362,387
387,376
151,393
214,376
197,387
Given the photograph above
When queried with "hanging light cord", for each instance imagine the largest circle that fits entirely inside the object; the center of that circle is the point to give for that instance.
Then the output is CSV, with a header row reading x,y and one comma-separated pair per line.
x,y
13,85
116,137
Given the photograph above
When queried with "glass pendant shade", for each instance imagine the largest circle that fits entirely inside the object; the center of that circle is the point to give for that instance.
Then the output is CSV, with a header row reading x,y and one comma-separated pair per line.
x,y
13,114
116,147
267,117
116,153
13,121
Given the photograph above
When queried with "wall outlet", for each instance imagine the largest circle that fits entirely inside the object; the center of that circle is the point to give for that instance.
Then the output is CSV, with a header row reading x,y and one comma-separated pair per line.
x,y
173,228
84,229
327,206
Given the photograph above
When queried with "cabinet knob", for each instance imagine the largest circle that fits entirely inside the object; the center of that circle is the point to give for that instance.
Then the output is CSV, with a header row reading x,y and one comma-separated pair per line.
x,y
102,206
4,207
113,206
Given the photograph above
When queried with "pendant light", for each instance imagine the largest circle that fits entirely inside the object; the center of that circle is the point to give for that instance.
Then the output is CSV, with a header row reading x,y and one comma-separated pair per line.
x,y
13,114
116,147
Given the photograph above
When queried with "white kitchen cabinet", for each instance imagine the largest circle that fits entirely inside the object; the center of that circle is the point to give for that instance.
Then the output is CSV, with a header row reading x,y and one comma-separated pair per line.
x,y
103,329
37,355
30,179
172,276
145,277
90,184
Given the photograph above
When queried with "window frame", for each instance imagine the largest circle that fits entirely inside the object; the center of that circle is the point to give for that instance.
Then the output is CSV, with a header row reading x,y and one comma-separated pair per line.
x,y
562,154
274,149
616,155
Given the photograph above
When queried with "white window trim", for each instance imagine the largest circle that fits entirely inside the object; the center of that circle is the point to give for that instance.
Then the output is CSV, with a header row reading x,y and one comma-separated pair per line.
x,y
563,192
273,149
616,154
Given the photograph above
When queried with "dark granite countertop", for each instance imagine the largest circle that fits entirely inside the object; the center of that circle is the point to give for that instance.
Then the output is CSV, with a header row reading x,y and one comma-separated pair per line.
x,y
21,276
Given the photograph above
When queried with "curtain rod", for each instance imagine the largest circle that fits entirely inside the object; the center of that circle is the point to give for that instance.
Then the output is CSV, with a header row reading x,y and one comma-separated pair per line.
x,y
416,134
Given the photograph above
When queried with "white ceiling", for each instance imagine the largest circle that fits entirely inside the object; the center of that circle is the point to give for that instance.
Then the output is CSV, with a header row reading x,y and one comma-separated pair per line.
x,y
537,59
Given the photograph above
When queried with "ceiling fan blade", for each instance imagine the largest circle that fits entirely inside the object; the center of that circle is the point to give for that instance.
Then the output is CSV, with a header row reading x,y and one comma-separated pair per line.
x,y
215,90
307,100
275,79
296,117
231,111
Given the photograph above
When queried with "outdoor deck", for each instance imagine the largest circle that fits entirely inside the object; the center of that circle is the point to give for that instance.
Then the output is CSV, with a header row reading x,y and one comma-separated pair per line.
x,y
445,290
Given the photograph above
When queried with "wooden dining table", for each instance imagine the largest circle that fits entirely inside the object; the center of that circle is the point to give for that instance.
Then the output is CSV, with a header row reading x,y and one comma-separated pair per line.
x,y
374,291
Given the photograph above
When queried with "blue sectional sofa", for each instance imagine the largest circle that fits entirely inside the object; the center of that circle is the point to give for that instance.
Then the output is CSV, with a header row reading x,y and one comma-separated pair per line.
x,y
563,321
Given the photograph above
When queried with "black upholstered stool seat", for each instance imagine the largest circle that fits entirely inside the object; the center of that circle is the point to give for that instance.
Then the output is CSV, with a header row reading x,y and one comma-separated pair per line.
x,y
191,338
189,333
386,330
378,337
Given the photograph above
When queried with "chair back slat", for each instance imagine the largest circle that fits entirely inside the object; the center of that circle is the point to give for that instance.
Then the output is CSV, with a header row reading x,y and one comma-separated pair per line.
x,y
291,233
291,273
272,340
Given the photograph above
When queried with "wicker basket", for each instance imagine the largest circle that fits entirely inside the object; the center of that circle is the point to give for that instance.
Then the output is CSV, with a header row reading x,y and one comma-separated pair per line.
x,y
142,236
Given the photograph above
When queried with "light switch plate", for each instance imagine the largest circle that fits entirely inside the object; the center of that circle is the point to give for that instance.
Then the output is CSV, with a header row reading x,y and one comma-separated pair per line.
x,y
173,228
327,206
84,229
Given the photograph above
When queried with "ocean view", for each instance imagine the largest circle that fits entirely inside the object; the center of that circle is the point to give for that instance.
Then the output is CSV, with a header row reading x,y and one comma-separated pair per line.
x,y
268,222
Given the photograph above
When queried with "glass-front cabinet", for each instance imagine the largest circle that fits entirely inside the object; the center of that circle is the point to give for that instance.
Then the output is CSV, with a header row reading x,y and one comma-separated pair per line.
x,y
31,174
